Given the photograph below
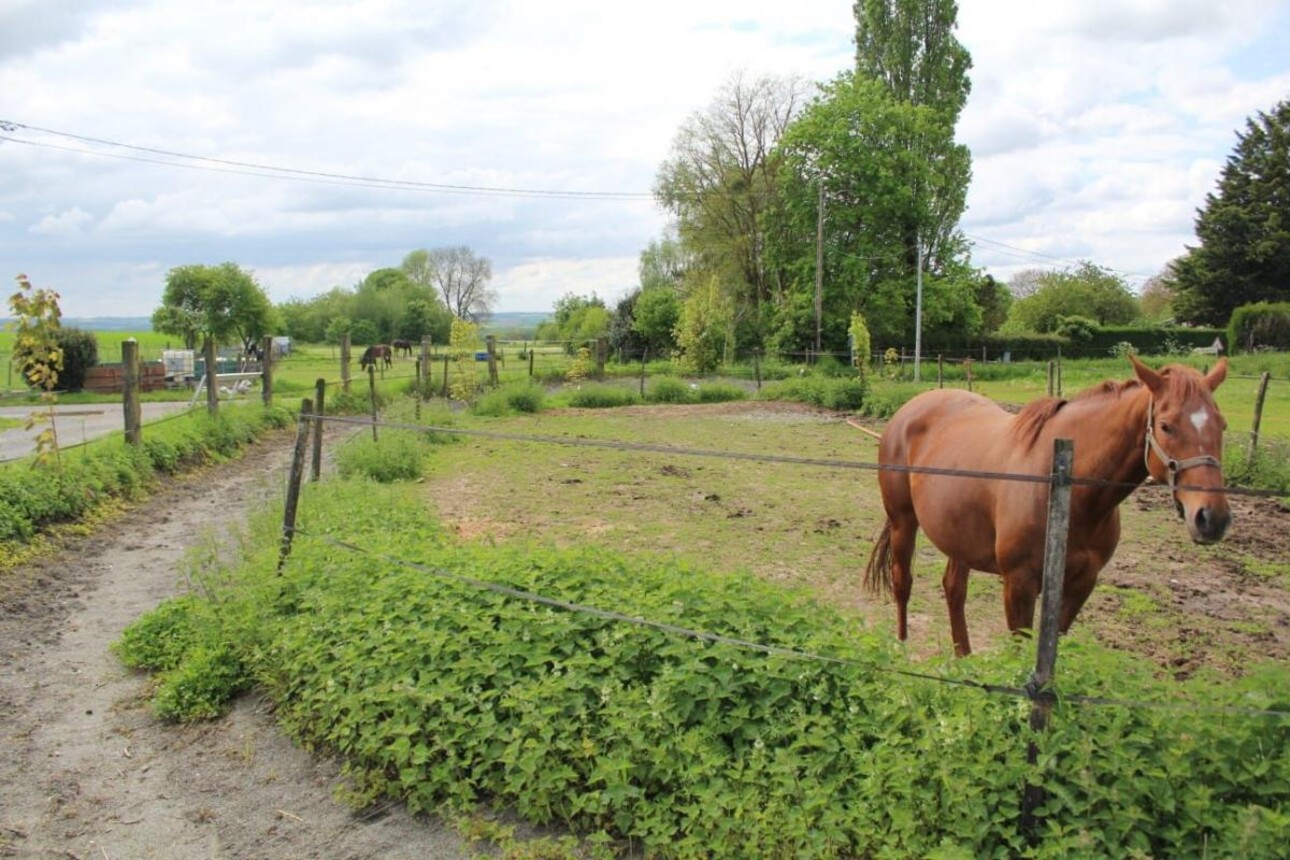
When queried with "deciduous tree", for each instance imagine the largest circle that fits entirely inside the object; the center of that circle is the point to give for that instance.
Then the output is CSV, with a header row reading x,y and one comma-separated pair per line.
x,y
223,302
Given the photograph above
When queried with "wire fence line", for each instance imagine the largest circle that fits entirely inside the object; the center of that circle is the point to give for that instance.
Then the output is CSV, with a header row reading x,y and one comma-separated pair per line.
x,y
1026,692
782,458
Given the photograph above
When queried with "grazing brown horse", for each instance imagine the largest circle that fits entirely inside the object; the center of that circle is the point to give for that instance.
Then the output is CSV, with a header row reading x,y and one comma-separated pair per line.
x,y
374,353
1160,424
402,347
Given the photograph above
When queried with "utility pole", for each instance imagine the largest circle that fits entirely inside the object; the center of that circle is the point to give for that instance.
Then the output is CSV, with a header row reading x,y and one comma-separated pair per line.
x,y
918,309
819,268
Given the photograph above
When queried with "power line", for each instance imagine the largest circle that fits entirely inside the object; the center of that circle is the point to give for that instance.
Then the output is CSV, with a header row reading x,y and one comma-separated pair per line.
x,y
227,165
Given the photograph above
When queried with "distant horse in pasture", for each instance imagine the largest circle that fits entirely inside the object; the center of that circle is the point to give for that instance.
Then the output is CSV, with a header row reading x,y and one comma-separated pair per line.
x,y
1163,425
374,353
402,347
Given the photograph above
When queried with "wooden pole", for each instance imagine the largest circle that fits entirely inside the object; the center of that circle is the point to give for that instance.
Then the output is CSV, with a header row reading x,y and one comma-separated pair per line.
x,y
293,483
1051,377
320,392
371,387
490,343
602,351
445,376
531,351
644,359
212,378
266,367
423,369
130,396
344,362
757,366
967,369
1258,414
1059,514
940,370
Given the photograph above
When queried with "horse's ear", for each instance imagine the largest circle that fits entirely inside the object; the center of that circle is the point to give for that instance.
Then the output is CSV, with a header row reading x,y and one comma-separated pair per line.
x,y
1216,376
1149,377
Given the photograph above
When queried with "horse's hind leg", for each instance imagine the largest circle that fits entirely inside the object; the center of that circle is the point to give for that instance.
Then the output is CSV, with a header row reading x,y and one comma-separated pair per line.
x,y
904,531
955,584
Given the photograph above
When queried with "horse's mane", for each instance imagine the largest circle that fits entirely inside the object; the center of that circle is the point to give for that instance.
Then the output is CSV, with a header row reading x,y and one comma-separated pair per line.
x,y
1035,415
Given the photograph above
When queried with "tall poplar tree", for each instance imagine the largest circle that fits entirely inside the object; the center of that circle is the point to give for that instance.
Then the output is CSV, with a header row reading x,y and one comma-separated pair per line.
x,y
1244,229
909,47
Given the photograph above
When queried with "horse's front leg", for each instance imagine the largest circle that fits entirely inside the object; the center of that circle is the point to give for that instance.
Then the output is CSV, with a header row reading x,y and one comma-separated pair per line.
x,y
1020,590
955,584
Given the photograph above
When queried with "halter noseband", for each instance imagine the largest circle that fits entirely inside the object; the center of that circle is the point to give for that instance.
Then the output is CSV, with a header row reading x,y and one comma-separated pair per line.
x,y
1172,466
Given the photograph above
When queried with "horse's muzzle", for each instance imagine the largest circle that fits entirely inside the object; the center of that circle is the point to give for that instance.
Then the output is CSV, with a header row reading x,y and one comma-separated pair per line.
x,y
1209,523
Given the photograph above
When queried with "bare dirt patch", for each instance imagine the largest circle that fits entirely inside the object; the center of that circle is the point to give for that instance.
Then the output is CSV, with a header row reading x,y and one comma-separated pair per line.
x,y
88,772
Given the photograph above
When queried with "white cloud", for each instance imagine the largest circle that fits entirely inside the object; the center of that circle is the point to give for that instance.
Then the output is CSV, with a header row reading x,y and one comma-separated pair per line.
x,y
69,222
1097,128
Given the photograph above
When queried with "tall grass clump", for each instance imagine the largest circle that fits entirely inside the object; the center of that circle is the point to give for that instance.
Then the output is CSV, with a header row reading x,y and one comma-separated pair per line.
x,y
719,392
441,692
395,455
522,397
668,389
597,396
846,393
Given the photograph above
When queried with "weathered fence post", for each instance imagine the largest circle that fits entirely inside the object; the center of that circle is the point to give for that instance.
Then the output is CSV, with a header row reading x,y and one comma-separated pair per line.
x,y
266,368
490,344
757,366
967,370
940,370
423,369
531,351
344,362
602,351
1258,413
293,483
371,387
1051,377
320,392
1059,515
130,395
445,375
212,378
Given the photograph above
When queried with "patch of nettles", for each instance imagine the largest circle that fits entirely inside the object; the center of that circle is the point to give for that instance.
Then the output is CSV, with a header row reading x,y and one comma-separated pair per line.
x,y
450,696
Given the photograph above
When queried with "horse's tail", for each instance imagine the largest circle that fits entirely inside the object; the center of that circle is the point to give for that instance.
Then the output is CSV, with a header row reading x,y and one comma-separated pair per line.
x,y
877,575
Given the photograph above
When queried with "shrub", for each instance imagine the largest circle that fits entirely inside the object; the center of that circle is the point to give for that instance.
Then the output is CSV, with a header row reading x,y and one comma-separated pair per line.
x,y
80,353
159,640
525,397
1261,325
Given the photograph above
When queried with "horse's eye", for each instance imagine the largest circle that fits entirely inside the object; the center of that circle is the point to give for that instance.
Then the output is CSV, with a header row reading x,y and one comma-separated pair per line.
x,y
1166,427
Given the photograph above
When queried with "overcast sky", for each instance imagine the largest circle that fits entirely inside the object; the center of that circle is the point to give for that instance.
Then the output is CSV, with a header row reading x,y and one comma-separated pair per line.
x,y
1096,128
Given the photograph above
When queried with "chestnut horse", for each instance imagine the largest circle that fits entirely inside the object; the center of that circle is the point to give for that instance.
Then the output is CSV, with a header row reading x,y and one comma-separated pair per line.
x,y
1164,425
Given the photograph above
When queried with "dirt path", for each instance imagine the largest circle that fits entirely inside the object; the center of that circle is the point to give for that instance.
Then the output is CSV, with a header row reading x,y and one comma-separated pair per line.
x,y
88,772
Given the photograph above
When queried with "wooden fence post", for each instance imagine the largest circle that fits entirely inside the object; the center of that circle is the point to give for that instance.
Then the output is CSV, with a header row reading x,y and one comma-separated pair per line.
x,y
423,369
1051,377
212,378
967,370
602,351
130,395
531,351
445,376
644,359
1258,414
293,483
320,392
266,367
490,343
940,370
371,387
344,362
1041,697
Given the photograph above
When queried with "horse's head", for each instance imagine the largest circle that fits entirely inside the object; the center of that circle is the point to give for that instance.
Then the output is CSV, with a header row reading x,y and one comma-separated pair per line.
x,y
1184,444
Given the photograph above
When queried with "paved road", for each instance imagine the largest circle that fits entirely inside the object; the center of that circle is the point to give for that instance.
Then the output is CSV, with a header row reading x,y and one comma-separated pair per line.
x,y
76,423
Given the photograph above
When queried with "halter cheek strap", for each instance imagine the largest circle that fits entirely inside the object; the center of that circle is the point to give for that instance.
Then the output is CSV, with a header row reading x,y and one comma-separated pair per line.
x,y
1172,466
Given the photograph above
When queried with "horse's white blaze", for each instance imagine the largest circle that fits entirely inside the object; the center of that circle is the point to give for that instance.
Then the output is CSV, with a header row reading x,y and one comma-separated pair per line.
x,y
1199,419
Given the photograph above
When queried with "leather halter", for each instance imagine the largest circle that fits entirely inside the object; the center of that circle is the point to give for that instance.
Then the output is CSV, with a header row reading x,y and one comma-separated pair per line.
x,y
1172,466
